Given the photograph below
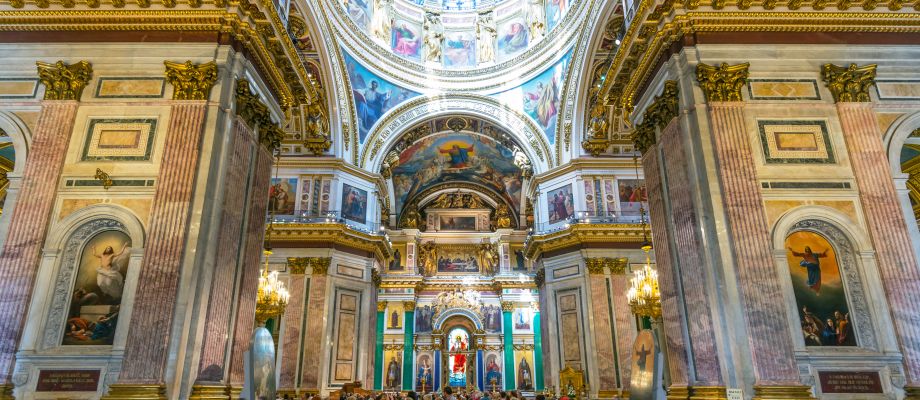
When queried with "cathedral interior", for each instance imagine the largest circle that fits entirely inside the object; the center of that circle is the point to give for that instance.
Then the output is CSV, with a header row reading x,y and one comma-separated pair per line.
x,y
568,199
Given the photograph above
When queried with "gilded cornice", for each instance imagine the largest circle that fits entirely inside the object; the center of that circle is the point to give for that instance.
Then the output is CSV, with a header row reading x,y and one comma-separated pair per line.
x,y
298,234
419,285
257,29
723,82
849,84
299,265
64,81
583,164
600,264
659,24
580,234
191,81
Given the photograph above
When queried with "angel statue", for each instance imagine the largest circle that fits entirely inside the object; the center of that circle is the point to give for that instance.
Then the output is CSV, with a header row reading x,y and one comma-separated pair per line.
x,y
382,22
536,19
488,254
486,32
434,36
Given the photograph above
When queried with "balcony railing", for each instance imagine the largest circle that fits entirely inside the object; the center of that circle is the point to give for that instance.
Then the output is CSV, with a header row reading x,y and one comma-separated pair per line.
x,y
633,217
327,217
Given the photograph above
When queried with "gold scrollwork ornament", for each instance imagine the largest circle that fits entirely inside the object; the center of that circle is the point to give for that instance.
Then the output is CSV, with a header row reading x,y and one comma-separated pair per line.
x,y
191,81
722,83
849,84
64,81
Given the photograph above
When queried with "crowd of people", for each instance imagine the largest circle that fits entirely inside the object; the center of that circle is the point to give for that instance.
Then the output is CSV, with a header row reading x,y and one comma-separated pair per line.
x,y
448,393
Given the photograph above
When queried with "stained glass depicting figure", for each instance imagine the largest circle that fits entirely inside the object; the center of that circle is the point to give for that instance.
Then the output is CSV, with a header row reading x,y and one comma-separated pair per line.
x,y
456,364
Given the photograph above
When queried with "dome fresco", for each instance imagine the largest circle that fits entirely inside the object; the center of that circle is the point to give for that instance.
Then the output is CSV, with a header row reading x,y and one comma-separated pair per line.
x,y
456,34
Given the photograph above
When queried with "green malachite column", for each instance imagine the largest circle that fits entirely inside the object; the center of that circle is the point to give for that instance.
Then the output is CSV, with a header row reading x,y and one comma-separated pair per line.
x,y
378,346
537,352
507,306
409,343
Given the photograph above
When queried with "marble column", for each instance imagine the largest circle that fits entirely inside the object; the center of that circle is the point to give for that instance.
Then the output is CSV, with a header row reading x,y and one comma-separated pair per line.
x,y
315,332
688,251
293,320
378,345
625,323
508,341
408,345
29,223
606,381
676,347
253,244
210,382
897,262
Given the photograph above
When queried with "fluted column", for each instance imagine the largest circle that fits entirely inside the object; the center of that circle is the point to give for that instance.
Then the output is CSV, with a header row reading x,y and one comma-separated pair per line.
x,y
897,262
676,347
625,323
210,382
775,372
293,321
685,229
316,328
244,323
606,380
29,222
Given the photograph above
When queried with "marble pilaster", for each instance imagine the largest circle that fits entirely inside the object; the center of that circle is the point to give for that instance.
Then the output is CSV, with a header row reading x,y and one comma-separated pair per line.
x,y
146,354
315,331
684,234
29,224
249,264
603,340
766,320
897,262
625,324
290,342
211,366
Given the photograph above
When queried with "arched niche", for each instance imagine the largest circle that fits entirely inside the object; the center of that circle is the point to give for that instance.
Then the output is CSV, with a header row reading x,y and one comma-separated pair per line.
x,y
458,317
853,253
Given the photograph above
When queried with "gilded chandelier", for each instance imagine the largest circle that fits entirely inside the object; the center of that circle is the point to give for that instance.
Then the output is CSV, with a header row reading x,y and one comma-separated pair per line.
x,y
643,294
272,297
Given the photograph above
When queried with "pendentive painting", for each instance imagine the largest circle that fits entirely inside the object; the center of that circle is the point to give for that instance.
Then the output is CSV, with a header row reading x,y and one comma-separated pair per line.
x,y
560,204
373,95
354,204
820,295
281,196
97,291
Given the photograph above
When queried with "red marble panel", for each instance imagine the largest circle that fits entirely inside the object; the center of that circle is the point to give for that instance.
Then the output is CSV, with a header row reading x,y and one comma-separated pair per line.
x,y
146,352
211,366
897,262
766,319
29,223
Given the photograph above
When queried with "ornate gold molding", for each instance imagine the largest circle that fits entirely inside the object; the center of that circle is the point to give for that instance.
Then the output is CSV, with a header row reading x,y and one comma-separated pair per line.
x,y
523,347
64,81
507,306
782,392
722,83
849,84
409,306
191,81
313,234
257,116
320,265
539,278
299,265
595,266
577,235
381,306
104,177
376,279
127,391
658,114
709,392
598,130
209,392
599,264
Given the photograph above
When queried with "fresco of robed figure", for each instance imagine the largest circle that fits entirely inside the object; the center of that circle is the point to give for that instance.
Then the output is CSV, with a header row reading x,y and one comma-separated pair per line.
x,y
96,298
820,295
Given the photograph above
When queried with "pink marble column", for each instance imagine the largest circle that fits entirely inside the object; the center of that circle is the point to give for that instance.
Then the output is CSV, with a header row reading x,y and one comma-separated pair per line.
x,y
670,303
603,342
897,262
290,342
767,324
313,337
29,224
155,299
625,325
211,368
250,264
685,228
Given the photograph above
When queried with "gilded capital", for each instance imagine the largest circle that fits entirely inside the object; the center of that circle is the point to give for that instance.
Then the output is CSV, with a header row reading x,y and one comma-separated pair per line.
x,y
659,113
64,81
381,306
320,265
539,278
507,306
270,135
643,136
849,84
409,305
618,265
595,266
722,83
191,81
298,265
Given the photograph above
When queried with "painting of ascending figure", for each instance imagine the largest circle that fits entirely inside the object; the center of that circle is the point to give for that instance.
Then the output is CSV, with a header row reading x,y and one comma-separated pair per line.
x,y
819,291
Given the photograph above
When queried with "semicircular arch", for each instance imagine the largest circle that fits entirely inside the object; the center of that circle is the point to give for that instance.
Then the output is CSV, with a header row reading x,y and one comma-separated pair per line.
x,y
454,317
401,119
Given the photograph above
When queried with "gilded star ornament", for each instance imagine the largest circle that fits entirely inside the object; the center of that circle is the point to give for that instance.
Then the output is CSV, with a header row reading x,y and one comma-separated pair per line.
x,y
722,83
191,81
849,84
64,81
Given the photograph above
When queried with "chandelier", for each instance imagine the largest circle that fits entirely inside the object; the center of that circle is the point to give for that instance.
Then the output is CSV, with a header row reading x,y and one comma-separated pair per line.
x,y
643,294
272,296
